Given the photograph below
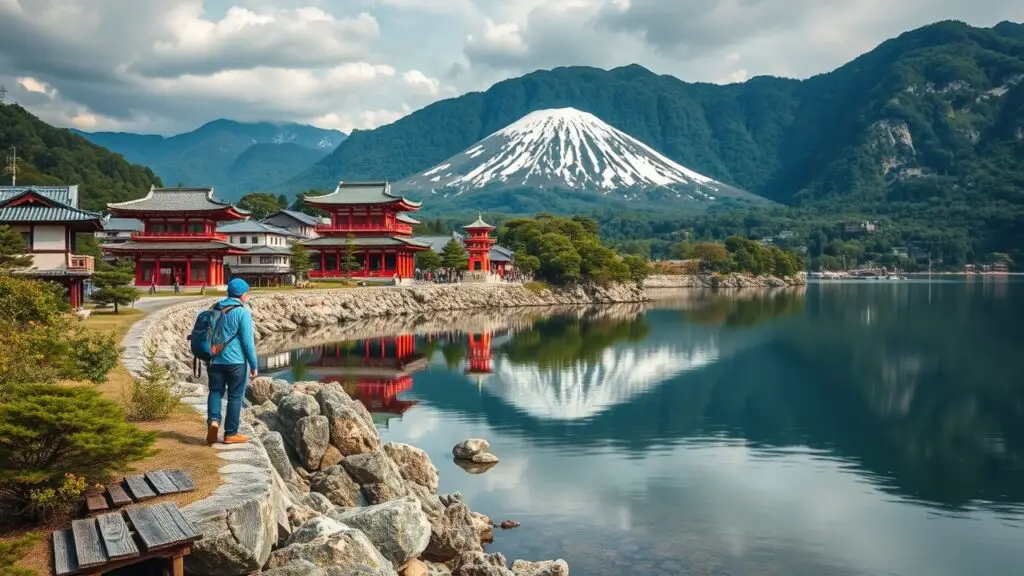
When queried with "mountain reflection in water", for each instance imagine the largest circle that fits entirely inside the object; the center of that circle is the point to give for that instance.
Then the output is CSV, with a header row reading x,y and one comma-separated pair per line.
x,y
849,428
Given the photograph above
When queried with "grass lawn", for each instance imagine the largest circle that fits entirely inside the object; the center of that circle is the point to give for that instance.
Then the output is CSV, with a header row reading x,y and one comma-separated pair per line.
x,y
181,444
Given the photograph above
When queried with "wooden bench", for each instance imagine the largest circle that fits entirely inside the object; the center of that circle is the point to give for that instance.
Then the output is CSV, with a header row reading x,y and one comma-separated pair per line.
x,y
93,546
139,488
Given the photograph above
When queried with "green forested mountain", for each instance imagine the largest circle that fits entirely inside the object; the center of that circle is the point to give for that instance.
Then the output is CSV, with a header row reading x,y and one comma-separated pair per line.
x,y
212,154
926,131
56,156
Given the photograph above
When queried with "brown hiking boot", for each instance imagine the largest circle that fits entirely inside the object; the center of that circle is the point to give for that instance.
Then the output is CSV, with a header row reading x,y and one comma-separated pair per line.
x,y
212,431
236,439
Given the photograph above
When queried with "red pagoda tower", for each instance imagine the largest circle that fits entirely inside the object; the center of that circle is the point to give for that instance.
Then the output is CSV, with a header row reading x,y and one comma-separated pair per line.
x,y
382,233
178,243
479,245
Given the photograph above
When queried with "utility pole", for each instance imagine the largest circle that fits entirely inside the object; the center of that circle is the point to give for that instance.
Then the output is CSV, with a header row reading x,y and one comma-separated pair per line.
x,y
3,95
12,166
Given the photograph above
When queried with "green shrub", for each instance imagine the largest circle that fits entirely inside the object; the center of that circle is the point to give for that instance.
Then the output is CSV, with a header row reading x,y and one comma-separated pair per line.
x,y
44,353
49,431
48,502
14,550
23,300
93,354
151,397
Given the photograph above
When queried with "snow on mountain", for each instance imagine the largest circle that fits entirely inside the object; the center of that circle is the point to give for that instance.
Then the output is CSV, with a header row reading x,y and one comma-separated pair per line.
x,y
564,148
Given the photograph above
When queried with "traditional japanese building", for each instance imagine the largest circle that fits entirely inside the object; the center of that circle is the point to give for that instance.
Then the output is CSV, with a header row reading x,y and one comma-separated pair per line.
x,y
179,242
381,233
478,364
49,219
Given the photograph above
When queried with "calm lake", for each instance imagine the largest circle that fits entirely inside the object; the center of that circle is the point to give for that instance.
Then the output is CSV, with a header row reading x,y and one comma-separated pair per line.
x,y
846,428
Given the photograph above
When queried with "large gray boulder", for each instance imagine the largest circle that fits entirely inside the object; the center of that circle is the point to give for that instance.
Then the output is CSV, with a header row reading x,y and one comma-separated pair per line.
x,y
294,407
474,450
352,429
260,390
267,413
318,502
278,454
430,502
413,463
311,438
313,529
398,528
337,486
480,564
377,474
452,535
296,568
346,552
542,568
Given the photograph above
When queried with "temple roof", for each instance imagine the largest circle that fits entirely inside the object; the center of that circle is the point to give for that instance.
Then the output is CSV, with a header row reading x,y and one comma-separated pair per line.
x,y
499,254
364,242
264,249
64,194
300,217
135,246
253,227
360,193
479,224
177,200
44,204
402,217
122,224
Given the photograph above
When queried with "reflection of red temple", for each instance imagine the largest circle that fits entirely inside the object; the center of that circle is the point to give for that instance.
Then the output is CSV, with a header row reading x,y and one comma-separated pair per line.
x,y
479,362
374,371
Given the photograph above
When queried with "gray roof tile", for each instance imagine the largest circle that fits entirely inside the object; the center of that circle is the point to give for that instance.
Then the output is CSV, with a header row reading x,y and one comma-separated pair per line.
x,y
366,242
175,200
64,194
133,246
360,193
252,227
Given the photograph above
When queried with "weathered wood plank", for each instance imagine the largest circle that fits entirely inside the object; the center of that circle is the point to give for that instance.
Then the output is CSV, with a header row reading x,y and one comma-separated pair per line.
x,y
96,502
118,497
153,530
116,537
189,529
181,479
64,559
89,547
169,524
139,488
161,482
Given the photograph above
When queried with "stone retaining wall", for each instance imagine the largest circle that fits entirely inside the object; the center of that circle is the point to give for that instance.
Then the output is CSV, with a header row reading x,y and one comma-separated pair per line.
x,y
724,281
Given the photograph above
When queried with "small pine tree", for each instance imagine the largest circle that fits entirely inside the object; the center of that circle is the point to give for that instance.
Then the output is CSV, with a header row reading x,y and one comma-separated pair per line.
x,y
348,264
13,250
151,396
454,256
113,285
49,431
300,264
429,260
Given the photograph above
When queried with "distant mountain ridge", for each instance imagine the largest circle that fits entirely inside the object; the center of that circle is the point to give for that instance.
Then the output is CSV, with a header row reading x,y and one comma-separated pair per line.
x,y
210,154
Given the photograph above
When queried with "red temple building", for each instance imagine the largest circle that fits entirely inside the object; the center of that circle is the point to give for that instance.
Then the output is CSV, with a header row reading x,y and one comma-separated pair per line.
x,y
479,361
381,232
178,243
374,371
478,244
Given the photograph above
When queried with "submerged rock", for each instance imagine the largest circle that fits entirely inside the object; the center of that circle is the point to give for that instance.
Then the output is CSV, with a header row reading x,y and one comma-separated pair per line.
x,y
542,568
466,449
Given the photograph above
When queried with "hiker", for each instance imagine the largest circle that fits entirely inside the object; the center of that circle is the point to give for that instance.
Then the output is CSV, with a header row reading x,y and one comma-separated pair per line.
x,y
227,370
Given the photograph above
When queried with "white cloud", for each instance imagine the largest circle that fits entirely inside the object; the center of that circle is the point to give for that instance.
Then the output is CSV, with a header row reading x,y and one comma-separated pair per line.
x,y
418,79
33,85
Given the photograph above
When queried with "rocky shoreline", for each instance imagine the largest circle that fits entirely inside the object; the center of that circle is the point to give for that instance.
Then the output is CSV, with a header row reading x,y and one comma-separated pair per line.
x,y
724,281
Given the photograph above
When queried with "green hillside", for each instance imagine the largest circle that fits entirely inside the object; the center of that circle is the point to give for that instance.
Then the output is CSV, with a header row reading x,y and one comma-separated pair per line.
x,y
56,156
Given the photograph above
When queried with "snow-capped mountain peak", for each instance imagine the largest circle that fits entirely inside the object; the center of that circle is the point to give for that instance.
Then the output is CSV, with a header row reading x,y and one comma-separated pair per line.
x,y
560,148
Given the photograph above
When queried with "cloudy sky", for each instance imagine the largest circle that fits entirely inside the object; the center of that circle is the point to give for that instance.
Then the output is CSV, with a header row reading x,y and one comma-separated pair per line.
x,y
167,66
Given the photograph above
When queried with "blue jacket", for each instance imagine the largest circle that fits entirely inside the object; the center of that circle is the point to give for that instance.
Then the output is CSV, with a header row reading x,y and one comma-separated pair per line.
x,y
242,349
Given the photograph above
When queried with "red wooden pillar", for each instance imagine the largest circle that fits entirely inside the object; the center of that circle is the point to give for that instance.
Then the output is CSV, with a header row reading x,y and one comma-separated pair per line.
x,y
73,294
188,270
366,262
156,271
138,270
323,261
209,271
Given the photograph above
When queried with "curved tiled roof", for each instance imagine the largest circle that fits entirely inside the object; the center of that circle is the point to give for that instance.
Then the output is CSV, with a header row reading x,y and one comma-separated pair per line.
x,y
253,227
175,200
478,224
364,242
134,246
360,193
55,204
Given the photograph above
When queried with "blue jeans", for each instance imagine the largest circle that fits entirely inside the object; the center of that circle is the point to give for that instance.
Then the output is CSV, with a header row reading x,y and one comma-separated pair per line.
x,y
231,379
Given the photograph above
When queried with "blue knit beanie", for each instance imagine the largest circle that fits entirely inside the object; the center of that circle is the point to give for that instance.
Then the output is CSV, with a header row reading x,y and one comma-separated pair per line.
x,y
237,287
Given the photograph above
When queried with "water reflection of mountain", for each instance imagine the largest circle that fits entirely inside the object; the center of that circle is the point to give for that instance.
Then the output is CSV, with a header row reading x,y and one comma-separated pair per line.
x,y
911,387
